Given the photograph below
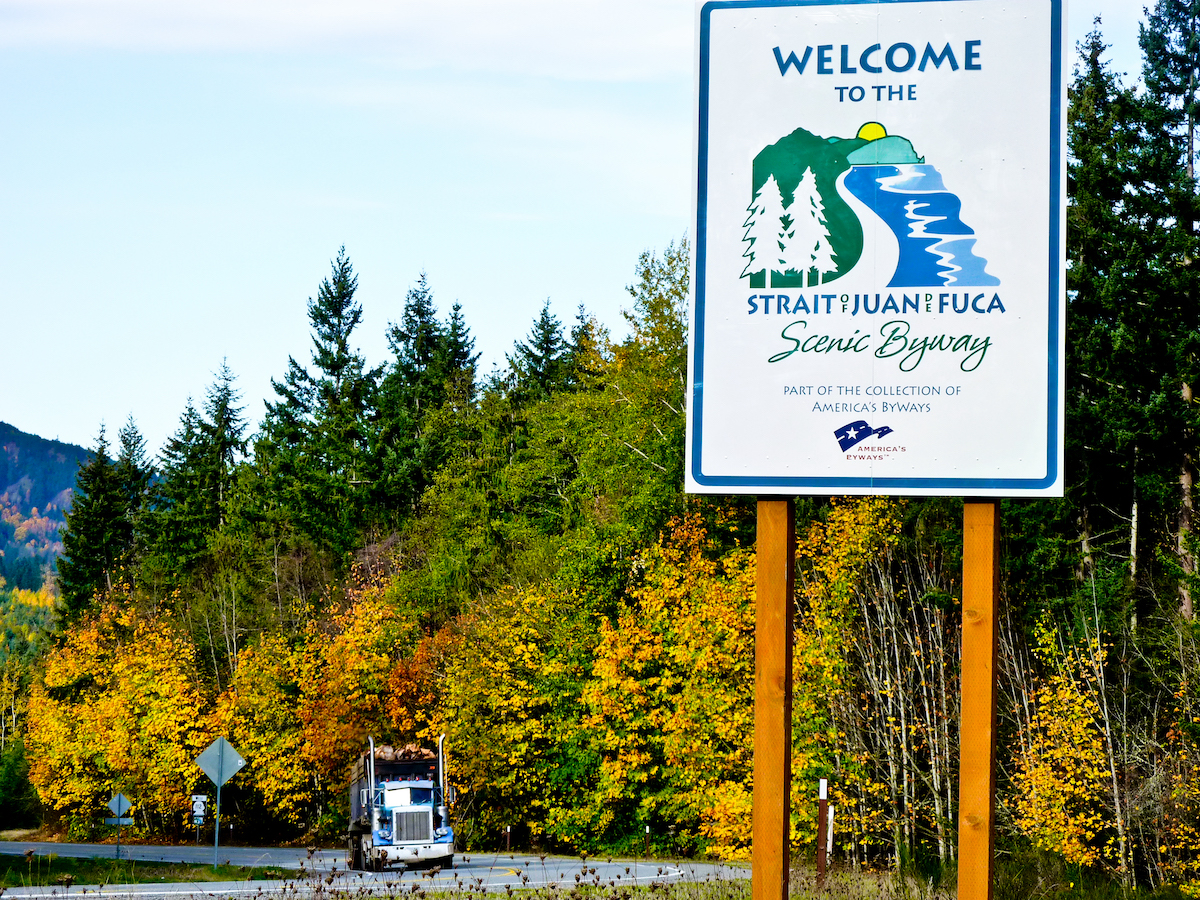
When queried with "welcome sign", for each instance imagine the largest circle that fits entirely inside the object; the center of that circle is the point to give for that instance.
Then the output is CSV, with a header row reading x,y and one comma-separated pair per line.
x,y
879,272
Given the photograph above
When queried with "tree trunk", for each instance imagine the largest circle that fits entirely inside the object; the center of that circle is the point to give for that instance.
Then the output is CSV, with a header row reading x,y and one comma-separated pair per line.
x,y
1133,523
1187,559
1087,560
1096,663
1133,547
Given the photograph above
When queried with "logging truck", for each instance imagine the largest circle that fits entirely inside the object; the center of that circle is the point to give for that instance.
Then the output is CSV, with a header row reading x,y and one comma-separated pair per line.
x,y
398,809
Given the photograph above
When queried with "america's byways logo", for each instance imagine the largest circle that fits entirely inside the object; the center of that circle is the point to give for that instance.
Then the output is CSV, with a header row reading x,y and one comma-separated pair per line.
x,y
857,432
800,232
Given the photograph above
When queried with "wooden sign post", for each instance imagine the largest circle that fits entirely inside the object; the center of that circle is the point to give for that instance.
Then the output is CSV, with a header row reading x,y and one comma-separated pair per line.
x,y
977,731
774,608
773,611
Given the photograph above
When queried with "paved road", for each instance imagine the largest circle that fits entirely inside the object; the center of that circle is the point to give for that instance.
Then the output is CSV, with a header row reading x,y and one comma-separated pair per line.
x,y
491,872
202,854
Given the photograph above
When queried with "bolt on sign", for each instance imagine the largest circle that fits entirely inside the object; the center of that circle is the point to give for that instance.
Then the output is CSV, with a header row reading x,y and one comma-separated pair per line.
x,y
879,248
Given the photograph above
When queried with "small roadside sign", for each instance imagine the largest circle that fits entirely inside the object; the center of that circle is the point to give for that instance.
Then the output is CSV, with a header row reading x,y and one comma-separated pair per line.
x,y
220,762
119,804
199,805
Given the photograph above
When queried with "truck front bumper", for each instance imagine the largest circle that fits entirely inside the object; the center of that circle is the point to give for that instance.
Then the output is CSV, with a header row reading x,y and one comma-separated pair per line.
x,y
413,854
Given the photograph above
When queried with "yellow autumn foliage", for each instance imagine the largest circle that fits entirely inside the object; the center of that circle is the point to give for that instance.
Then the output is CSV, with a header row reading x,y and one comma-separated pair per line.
x,y
670,701
507,681
1061,779
344,669
832,555
259,713
118,708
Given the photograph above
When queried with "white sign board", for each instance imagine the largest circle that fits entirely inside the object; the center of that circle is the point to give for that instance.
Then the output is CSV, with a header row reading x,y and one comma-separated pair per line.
x,y
879,248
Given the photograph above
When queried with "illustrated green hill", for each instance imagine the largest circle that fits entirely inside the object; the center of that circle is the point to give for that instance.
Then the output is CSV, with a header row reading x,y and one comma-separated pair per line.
x,y
828,158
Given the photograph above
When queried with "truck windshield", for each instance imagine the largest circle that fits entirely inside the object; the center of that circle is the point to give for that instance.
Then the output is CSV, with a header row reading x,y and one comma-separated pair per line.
x,y
407,796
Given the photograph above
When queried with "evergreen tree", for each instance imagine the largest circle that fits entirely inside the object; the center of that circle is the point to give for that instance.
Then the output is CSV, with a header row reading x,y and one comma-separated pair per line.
x,y
1165,203
96,534
133,467
325,410
460,359
223,435
179,523
1110,438
431,360
540,361
315,438
198,467
134,473
582,358
1170,42
199,554
418,341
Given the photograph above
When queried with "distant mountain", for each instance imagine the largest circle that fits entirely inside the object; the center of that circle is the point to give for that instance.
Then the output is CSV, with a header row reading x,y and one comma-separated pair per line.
x,y
36,478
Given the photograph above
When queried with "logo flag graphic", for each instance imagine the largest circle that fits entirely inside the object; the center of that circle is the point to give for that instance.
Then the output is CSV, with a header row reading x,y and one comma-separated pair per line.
x,y
857,432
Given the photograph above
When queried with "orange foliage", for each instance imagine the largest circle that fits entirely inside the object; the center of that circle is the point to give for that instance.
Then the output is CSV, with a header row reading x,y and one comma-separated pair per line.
x,y
345,669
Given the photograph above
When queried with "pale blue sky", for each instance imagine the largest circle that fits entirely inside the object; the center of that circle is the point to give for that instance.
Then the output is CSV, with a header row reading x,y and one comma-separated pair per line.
x,y
176,176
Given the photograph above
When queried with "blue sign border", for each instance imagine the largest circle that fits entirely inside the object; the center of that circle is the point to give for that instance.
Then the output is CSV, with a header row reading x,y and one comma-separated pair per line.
x,y
886,485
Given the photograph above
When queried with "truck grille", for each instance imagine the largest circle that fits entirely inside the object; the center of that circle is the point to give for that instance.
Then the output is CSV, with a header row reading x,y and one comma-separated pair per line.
x,y
412,826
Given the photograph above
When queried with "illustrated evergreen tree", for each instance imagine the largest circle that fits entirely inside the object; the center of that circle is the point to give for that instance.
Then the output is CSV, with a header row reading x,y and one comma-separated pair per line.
x,y
807,249
803,230
96,536
823,256
765,227
315,434
824,260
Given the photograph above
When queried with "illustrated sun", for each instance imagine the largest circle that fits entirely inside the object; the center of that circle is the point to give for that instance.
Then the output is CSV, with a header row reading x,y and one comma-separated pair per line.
x,y
871,131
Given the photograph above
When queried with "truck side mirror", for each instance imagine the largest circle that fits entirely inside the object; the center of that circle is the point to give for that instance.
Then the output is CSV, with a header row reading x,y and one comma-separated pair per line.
x,y
451,793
